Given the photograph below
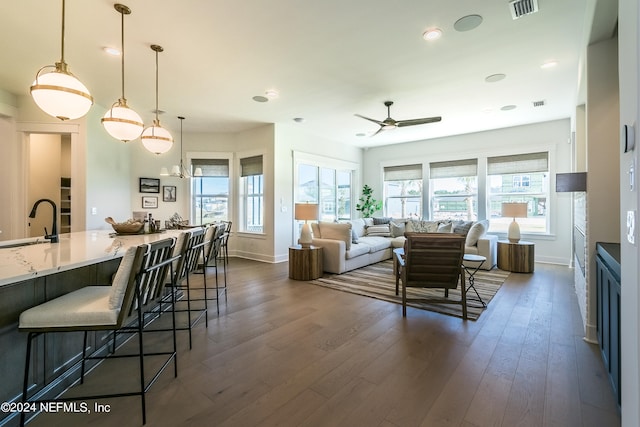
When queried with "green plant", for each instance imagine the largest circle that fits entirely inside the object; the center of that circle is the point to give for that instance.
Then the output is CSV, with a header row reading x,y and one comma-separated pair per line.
x,y
368,205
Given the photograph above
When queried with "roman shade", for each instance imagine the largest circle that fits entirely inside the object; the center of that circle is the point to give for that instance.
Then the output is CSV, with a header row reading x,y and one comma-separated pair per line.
x,y
518,163
212,167
402,173
250,166
453,169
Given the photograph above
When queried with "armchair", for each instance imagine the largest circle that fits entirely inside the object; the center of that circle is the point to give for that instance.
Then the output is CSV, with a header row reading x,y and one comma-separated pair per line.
x,y
432,260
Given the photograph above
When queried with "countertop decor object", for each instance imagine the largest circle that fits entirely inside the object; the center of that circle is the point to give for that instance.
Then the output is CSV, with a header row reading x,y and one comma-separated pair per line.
x,y
128,227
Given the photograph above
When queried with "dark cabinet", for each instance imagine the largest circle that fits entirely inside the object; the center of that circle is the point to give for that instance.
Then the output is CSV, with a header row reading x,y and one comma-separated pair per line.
x,y
608,323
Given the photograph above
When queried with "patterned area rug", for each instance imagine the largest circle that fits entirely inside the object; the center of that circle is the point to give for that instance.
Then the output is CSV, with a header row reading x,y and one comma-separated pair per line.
x,y
378,281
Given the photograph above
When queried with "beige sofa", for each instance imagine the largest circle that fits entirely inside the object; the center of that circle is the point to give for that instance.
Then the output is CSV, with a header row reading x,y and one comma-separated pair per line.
x,y
360,242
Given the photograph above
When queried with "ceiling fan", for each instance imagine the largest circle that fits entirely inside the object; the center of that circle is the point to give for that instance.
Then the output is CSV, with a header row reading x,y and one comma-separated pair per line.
x,y
390,123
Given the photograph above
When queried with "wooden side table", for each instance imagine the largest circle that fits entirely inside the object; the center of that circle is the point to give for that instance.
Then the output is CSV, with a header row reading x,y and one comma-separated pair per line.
x,y
516,257
305,263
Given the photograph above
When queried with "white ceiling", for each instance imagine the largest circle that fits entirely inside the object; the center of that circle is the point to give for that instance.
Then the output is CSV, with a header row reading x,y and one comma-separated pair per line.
x,y
328,59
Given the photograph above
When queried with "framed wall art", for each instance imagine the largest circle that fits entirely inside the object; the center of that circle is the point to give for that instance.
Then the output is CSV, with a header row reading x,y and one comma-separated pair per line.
x,y
149,185
168,193
149,202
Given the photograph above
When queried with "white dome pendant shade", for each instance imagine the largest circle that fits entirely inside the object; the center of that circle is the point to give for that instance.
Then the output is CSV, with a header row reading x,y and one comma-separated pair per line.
x,y
59,93
155,138
120,121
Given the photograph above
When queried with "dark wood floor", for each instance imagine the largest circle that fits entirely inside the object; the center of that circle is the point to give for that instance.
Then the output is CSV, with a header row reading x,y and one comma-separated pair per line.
x,y
290,353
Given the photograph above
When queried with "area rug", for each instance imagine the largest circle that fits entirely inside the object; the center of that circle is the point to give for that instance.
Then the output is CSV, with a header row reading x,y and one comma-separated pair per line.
x,y
377,281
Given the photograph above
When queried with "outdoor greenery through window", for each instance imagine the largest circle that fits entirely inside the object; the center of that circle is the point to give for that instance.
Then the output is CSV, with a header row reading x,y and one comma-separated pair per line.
x,y
519,178
454,190
403,191
252,194
210,193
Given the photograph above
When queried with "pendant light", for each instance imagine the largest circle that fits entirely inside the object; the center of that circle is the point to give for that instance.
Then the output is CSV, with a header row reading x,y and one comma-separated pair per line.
x,y
155,138
121,122
59,93
180,170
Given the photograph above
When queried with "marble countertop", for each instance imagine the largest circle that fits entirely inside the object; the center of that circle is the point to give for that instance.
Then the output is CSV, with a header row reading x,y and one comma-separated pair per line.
x,y
18,263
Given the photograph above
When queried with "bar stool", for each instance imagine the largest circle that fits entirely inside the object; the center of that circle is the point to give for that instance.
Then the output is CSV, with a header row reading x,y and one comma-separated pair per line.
x,y
190,248
214,237
138,283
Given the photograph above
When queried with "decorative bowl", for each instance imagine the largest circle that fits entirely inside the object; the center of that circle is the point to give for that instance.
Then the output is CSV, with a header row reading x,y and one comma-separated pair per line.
x,y
129,227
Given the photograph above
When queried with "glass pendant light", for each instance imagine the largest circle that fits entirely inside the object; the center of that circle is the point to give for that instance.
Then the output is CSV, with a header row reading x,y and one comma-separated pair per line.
x,y
120,121
59,93
155,138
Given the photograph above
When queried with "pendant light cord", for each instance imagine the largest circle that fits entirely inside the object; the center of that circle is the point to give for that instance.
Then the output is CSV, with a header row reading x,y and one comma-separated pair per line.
x,y
62,38
122,48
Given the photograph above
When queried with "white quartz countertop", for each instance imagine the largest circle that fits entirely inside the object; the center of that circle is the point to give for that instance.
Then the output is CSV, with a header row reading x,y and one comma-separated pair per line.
x,y
18,263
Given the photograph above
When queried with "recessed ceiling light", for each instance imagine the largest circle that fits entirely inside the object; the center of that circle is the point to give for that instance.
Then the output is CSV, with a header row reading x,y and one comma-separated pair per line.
x,y
361,134
508,107
432,34
260,98
494,78
467,23
549,64
112,51
298,119
272,93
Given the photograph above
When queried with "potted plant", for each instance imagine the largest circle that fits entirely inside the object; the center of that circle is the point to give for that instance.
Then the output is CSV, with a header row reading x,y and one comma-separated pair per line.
x,y
368,205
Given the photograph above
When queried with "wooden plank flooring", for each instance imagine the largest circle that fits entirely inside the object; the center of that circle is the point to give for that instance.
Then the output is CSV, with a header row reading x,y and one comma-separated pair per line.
x,y
288,353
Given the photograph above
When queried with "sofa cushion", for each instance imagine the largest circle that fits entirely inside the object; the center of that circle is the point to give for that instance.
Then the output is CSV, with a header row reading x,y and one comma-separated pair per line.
x,y
358,226
381,220
357,249
315,230
336,231
416,226
396,229
476,231
379,230
461,227
375,243
445,227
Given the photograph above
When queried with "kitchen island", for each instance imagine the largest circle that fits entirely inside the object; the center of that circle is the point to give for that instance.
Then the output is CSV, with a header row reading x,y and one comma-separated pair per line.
x,y
33,271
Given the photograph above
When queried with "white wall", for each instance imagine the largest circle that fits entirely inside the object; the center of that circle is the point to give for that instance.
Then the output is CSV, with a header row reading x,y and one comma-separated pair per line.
x,y
44,180
629,76
553,136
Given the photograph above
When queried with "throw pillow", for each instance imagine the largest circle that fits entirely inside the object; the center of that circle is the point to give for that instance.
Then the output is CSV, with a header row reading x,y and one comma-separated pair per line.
x,y
476,231
379,230
358,226
334,231
354,235
368,222
396,230
422,226
383,220
445,227
462,227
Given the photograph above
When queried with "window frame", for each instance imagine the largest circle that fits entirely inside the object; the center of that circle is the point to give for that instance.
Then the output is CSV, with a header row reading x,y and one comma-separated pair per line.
x,y
214,155
244,195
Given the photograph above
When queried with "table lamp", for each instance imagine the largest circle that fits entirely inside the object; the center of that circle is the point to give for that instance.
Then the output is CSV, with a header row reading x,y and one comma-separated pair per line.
x,y
306,212
514,210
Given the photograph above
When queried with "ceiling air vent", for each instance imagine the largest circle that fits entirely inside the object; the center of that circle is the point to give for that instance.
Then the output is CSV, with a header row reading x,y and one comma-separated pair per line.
x,y
538,103
520,8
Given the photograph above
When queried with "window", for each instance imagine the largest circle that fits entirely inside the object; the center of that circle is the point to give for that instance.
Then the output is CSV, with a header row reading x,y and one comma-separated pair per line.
x,y
328,187
252,194
210,193
403,191
519,178
454,190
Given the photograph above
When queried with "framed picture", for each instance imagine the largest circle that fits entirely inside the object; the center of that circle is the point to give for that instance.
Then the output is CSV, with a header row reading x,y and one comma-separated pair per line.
x,y
168,193
149,185
149,202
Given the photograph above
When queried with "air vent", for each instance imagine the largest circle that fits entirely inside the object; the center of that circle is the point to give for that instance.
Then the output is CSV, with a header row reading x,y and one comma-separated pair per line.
x,y
538,103
520,8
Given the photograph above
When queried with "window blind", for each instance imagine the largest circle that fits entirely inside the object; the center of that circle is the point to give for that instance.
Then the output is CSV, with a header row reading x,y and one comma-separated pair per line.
x,y
518,163
453,169
251,166
401,173
212,167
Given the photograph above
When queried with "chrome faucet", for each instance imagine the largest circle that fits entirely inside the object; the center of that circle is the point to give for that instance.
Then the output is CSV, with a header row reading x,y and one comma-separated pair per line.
x,y
53,237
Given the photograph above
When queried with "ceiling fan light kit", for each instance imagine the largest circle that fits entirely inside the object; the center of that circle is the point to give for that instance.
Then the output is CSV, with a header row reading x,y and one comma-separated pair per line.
x,y
389,123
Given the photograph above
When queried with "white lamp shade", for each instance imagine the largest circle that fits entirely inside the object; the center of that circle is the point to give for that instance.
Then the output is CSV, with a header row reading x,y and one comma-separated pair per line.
x,y
157,139
197,172
122,123
61,95
306,211
175,170
164,171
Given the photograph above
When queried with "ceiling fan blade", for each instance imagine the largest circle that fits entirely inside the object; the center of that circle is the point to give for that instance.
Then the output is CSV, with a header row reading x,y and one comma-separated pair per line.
x,y
371,120
402,123
377,132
